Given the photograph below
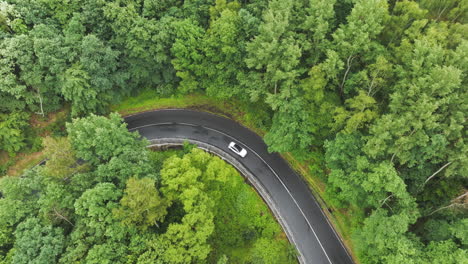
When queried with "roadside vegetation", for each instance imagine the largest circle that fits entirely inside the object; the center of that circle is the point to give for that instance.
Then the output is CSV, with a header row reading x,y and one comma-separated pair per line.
x,y
119,202
366,98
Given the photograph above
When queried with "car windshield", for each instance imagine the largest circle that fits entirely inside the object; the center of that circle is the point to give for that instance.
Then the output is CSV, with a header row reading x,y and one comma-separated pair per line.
x,y
237,147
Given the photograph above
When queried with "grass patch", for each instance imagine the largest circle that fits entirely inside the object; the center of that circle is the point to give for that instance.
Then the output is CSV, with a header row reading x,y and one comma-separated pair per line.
x,y
342,219
24,161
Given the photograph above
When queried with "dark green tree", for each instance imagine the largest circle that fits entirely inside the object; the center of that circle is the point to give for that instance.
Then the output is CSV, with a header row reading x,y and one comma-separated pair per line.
x,y
37,243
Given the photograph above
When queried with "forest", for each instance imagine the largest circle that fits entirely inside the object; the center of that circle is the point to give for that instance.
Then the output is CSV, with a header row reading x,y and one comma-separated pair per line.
x,y
371,94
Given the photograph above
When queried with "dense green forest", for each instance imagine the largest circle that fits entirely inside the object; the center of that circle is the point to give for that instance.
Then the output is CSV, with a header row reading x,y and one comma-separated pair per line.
x,y
103,197
371,93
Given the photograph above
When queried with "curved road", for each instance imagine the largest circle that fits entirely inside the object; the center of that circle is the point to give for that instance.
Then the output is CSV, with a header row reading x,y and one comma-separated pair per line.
x,y
302,218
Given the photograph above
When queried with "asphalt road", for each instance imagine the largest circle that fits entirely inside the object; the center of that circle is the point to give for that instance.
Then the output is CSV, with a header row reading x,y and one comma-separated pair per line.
x,y
315,239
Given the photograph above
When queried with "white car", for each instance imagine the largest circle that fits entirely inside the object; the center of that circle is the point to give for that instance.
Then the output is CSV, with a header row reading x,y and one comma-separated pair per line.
x,y
237,149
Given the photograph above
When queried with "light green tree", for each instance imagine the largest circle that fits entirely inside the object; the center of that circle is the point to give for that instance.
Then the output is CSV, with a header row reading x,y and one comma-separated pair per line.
x,y
141,204
273,56
61,160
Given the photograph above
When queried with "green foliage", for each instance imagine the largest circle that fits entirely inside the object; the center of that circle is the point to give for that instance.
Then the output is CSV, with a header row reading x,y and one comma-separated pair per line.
x,y
448,10
273,56
265,251
223,48
95,207
186,181
358,111
318,22
61,159
36,243
141,204
76,88
386,235
244,222
146,41
187,54
30,64
17,203
12,131
100,63
97,139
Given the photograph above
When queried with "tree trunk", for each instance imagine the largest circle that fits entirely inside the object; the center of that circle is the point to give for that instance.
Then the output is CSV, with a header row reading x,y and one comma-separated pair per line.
x,y
348,67
440,13
371,85
439,170
453,203
58,215
441,208
461,196
40,103
385,200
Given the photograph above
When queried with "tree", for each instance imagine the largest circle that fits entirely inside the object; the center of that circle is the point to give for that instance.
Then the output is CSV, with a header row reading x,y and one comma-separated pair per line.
x,y
197,10
187,53
95,206
291,128
318,21
360,181
272,56
273,59
145,41
37,243
9,18
30,64
100,63
76,89
340,157
266,252
426,101
56,205
223,48
97,139
404,16
356,40
12,131
141,204
186,180
132,162
316,108
222,260
17,203
459,230
386,235
445,252
449,10
61,159
362,111
97,231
